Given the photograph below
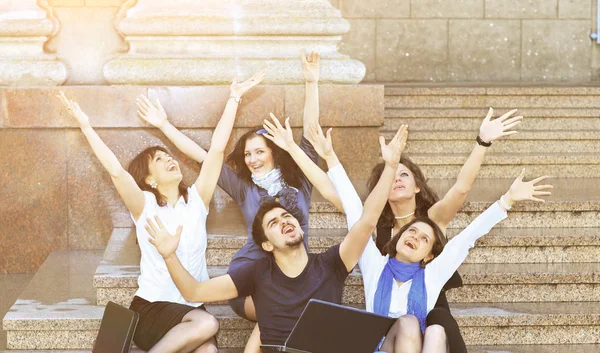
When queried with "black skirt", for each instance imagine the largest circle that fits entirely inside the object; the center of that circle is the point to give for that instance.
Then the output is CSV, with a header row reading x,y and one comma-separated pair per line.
x,y
156,319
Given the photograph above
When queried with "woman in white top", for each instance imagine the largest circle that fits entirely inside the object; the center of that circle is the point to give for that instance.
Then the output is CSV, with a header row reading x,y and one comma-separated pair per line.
x,y
152,188
406,282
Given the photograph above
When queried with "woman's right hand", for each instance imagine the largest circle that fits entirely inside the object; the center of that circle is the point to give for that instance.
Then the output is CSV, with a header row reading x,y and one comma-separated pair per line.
x,y
154,114
392,152
165,242
491,130
74,110
320,142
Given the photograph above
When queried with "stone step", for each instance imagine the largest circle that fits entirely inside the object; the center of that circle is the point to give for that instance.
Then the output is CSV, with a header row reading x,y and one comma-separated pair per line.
x,y
71,326
561,165
493,89
575,201
468,120
462,142
483,283
498,102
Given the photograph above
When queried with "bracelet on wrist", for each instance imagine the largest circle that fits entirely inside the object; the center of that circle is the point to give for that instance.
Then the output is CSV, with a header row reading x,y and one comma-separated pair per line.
x,y
483,143
238,100
503,204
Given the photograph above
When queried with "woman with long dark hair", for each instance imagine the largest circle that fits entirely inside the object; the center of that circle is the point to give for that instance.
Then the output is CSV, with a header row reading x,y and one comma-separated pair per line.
x,y
266,164
152,187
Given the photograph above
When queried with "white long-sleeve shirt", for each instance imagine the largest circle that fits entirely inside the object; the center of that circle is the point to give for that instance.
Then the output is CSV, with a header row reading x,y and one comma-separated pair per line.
x,y
437,272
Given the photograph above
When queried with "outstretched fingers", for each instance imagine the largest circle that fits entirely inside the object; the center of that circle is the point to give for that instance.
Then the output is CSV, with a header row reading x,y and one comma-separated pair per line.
x,y
507,115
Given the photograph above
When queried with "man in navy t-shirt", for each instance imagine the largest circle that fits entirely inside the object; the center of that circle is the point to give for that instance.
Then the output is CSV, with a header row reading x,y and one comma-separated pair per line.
x,y
282,283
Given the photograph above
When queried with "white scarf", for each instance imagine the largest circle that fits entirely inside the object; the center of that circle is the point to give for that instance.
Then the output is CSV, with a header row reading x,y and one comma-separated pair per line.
x,y
271,182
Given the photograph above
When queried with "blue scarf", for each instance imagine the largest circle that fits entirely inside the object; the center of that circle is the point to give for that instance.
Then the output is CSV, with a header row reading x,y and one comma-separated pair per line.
x,y
417,296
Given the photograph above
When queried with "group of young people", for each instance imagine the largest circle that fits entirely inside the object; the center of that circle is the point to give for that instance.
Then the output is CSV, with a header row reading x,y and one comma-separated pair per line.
x,y
397,238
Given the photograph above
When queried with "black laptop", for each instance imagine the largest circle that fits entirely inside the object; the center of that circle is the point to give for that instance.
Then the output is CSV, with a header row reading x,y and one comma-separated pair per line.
x,y
116,330
327,328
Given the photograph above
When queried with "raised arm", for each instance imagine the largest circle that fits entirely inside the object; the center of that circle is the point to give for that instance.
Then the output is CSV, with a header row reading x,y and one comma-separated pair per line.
x,y
216,289
155,114
354,243
310,69
284,139
126,186
444,210
457,249
209,174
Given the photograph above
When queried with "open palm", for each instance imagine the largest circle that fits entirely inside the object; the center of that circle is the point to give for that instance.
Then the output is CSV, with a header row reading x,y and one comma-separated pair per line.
x,y
165,242
491,130
74,109
281,136
392,152
238,89
152,113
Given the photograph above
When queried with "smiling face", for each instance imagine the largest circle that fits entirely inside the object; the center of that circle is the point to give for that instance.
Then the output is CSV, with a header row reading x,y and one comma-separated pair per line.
x,y
405,186
416,243
258,156
282,230
163,169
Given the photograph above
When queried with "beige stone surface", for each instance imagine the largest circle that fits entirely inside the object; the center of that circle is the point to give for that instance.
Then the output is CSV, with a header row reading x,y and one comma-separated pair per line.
x,y
412,50
446,9
361,43
484,50
556,50
104,3
375,9
575,9
86,41
521,8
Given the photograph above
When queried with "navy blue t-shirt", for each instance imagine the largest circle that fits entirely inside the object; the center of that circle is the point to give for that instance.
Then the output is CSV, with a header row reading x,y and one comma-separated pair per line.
x,y
279,299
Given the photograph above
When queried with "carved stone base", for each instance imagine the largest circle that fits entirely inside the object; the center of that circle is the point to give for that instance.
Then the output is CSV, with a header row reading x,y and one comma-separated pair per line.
x,y
32,72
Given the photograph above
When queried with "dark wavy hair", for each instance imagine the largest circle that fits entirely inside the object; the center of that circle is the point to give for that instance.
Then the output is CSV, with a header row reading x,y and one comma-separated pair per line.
x,y
290,172
424,198
438,245
139,170
258,232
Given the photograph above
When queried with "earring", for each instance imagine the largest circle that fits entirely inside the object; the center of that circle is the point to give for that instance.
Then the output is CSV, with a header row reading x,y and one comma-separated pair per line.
x,y
153,184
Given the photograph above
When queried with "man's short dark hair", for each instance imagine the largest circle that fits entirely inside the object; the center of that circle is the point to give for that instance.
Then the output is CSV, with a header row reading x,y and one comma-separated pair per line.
x,y
258,233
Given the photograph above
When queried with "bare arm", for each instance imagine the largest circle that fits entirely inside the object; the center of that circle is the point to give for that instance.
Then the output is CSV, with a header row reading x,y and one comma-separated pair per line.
x,y
444,210
216,289
209,175
126,186
155,114
283,138
354,243
310,69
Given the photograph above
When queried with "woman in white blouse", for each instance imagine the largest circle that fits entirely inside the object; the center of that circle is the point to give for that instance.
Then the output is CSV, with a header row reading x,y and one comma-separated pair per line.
x,y
152,188
405,282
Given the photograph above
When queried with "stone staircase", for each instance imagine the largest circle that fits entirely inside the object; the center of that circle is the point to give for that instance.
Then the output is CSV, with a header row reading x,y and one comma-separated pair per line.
x,y
531,285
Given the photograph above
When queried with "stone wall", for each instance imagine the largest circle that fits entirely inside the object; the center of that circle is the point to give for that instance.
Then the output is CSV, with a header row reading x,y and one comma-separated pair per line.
x,y
401,40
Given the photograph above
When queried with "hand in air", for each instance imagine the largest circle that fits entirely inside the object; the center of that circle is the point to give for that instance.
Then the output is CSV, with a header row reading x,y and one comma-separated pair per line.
x,y
491,130
311,66
238,89
280,136
153,113
392,151
528,190
321,143
74,110
165,242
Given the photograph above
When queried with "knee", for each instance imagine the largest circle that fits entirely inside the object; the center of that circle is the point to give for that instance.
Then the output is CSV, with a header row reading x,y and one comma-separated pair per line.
x,y
436,333
211,348
409,327
205,325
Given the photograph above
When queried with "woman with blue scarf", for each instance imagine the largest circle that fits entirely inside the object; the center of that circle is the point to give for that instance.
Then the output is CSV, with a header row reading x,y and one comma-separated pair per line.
x,y
405,282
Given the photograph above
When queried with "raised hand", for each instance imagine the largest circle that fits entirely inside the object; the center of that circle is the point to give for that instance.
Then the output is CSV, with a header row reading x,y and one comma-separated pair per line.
x,y
527,190
491,130
311,66
74,110
280,136
392,151
321,143
165,242
238,89
152,113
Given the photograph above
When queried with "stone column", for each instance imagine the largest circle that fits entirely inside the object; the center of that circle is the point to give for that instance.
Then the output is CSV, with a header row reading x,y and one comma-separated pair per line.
x,y
192,42
25,26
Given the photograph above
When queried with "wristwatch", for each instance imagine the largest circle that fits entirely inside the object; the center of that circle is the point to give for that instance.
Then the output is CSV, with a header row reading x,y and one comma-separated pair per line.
x,y
483,143
236,99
